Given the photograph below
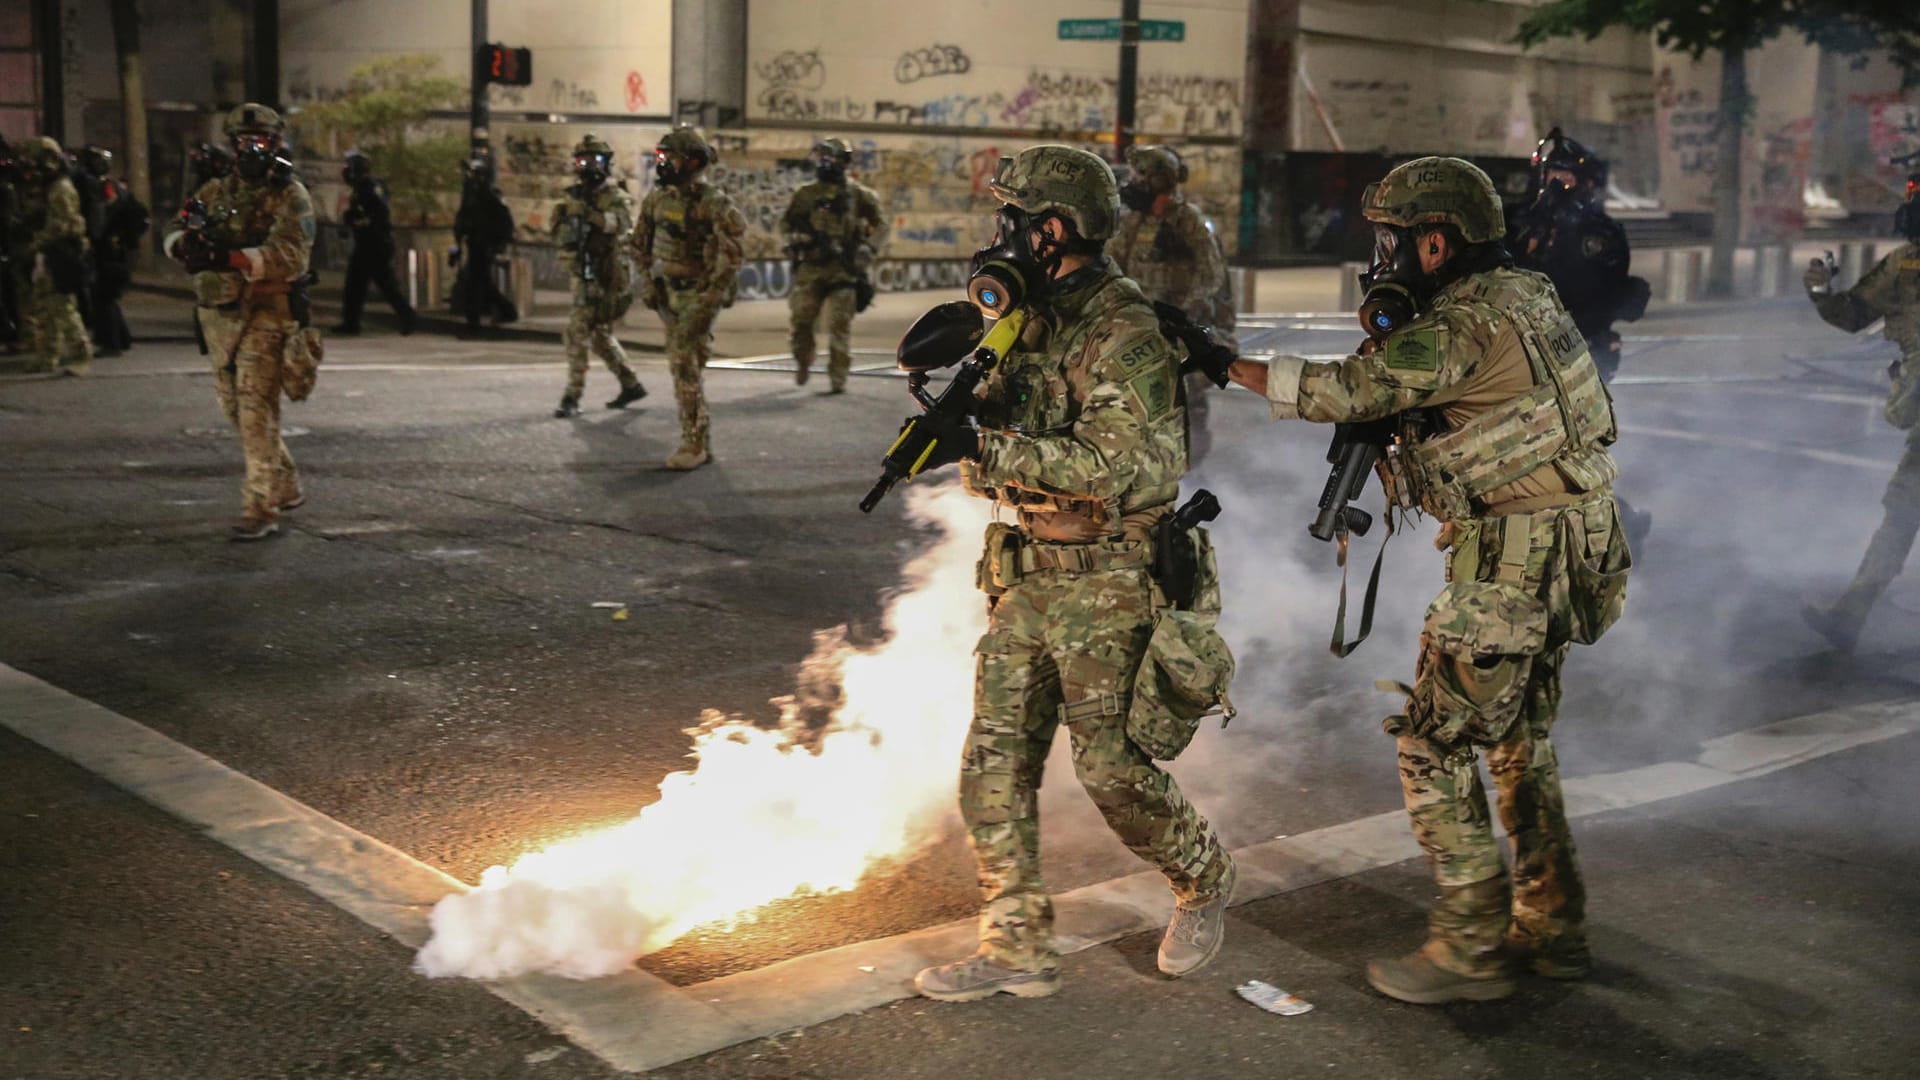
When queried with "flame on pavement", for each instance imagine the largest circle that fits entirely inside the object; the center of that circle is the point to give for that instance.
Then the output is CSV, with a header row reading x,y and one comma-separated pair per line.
x,y
849,779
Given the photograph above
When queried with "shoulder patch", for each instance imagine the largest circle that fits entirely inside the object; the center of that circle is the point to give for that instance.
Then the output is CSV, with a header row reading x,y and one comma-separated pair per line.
x,y
1154,391
1140,352
1414,350
1594,243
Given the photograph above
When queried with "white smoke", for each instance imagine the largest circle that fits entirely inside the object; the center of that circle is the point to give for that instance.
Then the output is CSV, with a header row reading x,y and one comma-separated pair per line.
x,y
849,778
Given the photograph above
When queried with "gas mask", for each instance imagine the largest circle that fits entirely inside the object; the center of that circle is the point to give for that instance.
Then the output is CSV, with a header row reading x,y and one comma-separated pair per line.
x,y
830,169
671,168
1395,284
253,155
591,169
1906,216
1137,195
1015,266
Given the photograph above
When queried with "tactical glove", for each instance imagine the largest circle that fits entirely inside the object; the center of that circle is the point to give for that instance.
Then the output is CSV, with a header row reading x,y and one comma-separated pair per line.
x,y
1819,276
953,441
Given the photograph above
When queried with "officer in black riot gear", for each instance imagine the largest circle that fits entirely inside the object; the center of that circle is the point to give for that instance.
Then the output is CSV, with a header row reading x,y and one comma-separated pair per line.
x,y
371,222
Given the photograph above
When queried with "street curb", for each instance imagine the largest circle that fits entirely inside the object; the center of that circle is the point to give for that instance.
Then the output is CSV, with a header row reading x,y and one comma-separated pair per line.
x,y
423,321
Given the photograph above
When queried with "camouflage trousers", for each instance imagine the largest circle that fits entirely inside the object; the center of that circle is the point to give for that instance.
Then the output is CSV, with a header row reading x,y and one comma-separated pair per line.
x,y
817,290
1892,541
689,316
1060,648
1488,682
584,334
246,356
54,329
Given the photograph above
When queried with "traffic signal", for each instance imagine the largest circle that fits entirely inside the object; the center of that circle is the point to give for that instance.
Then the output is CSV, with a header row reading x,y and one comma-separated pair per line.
x,y
508,67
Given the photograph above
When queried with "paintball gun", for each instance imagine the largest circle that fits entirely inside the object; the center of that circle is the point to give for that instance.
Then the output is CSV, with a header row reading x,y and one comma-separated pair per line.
x,y
936,340
197,249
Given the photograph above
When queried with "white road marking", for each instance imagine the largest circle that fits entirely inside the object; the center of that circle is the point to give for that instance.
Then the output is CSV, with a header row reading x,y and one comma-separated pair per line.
x,y
636,1021
1828,457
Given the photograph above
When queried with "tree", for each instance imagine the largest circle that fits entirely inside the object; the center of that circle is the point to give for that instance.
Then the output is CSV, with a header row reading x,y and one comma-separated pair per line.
x,y
1731,28
385,112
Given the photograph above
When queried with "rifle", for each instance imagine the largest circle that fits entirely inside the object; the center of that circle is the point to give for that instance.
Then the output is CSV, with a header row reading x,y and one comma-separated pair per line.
x,y
578,235
935,341
1356,449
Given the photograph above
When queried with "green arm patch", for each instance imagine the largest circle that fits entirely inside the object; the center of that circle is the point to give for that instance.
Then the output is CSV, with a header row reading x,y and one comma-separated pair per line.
x,y
1154,391
1414,350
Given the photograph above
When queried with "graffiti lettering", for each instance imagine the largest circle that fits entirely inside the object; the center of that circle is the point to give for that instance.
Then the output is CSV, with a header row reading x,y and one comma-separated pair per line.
x,y
927,63
797,70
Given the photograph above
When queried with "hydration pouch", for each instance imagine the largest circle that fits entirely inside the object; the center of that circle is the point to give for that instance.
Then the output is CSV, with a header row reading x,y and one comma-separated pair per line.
x,y
1182,678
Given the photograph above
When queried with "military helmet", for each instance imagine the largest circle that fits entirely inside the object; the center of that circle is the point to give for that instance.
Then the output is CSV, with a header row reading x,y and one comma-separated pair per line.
x,y
45,153
687,141
837,149
1071,182
593,144
1438,191
254,119
1159,166
1556,151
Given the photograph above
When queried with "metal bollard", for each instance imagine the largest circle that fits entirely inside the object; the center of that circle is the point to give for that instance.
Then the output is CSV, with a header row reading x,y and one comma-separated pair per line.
x,y
1244,295
521,269
413,278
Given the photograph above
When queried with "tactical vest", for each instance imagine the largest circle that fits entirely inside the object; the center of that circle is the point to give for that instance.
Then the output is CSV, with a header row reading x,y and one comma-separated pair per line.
x,y
1030,395
682,224
1566,419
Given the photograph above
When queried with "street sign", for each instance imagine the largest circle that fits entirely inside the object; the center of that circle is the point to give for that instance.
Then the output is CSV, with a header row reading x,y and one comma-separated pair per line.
x,y
1109,30
506,66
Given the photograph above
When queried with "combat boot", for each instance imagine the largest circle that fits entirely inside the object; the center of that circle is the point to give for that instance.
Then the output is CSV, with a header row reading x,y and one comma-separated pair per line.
x,y
802,372
628,395
688,458
292,500
1563,956
977,977
1465,957
252,527
1839,626
569,408
1198,929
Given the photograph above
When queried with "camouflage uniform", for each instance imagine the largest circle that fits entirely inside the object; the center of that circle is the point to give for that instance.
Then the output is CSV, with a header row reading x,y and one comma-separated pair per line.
x,y
51,229
1170,252
835,229
247,320
687,246
1891,290
1521,477
598,304
1083,438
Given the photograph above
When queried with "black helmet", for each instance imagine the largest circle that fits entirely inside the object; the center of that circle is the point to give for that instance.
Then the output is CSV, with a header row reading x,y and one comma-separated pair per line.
x,y
97,161
358,167
1558,153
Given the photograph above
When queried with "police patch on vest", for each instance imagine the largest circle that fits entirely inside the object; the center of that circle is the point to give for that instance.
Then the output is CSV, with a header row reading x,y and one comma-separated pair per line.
x,y
1593,244
1414,350
1154,389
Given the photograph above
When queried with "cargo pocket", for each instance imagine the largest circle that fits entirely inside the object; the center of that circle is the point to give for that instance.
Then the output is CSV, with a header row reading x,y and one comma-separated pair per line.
x,y
300,366
1598,558
1183,677
1481,638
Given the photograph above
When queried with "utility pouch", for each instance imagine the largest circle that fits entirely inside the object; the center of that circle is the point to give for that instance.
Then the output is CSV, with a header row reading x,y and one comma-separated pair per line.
x,y
1598,558
999,567
299,304
1182,678
862,293
300,363
1480,641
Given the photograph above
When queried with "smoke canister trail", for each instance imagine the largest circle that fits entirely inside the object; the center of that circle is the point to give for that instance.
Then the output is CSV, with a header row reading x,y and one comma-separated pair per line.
x,y
764,813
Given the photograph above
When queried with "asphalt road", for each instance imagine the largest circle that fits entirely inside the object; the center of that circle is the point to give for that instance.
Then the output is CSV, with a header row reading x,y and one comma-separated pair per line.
x,y
421,659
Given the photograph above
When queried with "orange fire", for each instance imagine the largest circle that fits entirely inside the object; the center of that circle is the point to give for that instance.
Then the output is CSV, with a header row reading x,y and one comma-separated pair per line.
x,y
764,814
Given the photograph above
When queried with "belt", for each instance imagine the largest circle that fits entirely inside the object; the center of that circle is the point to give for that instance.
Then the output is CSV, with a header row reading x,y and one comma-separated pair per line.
x,y
1082,558
682,282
